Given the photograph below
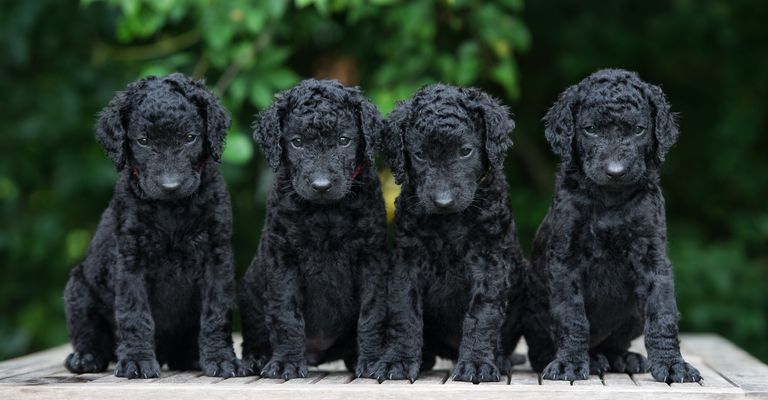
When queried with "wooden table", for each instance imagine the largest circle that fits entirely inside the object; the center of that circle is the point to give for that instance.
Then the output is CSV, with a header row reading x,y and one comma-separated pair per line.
x,y
729,373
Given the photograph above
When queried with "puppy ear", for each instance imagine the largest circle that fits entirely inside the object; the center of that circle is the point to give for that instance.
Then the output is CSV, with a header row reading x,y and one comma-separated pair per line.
x,y
392,142
111,127
494,116
216,118
559,125
267,130
665,125
369,120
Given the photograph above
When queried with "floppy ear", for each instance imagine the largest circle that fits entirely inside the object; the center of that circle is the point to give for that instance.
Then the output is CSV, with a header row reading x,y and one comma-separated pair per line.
x,y
497,124
559,126
215,116
665,125
111,127
369,120
267,130
392,143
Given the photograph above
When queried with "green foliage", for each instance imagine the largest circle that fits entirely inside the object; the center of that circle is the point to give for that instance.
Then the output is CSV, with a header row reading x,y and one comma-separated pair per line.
x,y
62,61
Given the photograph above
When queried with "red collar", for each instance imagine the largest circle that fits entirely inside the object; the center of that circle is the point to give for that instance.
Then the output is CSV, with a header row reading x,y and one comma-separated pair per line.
x,y
357,171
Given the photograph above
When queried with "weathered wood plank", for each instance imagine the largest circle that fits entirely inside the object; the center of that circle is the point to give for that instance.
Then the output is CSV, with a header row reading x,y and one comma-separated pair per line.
x,y
731,362
615,379
524,378
312,377
336,378
432,377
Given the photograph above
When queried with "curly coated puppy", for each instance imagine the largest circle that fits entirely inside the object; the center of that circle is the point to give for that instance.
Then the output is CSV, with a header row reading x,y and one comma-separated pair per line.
x,y
157,284
600,274
456,252
315,288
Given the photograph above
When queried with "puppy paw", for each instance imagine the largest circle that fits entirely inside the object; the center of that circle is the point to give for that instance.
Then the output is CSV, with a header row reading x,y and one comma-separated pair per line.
x,y
598,364
476,371
81,363
396,369
629,362
677,371
252,365
224,367
365,367
284,369
565,370
137,369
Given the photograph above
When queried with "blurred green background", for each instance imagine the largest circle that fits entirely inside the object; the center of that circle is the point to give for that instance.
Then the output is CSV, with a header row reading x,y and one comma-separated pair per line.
x,y
62,60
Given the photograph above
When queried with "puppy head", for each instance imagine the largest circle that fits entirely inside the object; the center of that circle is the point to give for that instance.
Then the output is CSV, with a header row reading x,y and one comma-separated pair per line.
x,y
163,130
322,133
613,126
443,141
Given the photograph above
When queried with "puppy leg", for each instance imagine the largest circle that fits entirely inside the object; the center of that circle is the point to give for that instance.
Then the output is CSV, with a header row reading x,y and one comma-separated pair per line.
x,y
571,327
217,356
482,324
661,333
371,325
133,315
285,320
406,324
256,347
90,333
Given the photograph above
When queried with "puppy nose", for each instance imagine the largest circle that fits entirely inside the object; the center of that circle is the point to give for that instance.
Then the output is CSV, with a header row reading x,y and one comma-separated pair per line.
x,y
169,183
443,200
615,169
321,185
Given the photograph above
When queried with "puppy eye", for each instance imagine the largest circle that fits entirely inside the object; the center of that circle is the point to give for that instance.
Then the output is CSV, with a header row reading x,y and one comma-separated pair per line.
x,y
589,130
465,152
639,130
344,141
142,141
190,138
297,143
418,155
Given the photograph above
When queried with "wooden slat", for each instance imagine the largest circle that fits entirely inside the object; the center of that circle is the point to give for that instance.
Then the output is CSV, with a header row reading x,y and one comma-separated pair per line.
x,y
433,377
240,380
730,362
615,379
524,378
312,377
364,381
336,378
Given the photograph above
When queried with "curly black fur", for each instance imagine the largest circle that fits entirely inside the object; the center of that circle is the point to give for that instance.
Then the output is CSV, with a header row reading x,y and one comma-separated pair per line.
x,y
600,275
456,252
157,284
318,280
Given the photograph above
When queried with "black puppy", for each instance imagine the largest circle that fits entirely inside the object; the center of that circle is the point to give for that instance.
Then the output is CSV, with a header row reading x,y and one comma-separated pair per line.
x,y
456,251
600,275
157,285
318,278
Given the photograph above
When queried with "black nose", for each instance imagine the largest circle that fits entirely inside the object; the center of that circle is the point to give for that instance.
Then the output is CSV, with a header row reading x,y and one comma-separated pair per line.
x,y
615,170
443,200
170,183
321,185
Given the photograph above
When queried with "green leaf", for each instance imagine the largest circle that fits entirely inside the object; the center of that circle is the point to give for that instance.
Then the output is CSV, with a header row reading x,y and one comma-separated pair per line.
x,y
239,149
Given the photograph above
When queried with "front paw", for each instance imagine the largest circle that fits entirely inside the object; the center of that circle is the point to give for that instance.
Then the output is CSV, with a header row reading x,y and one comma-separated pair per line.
x,y
365,367
629,362
598,364
396,369
476,371
81,363
137,369
566,370
223,367
285,369
677,371
252,365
